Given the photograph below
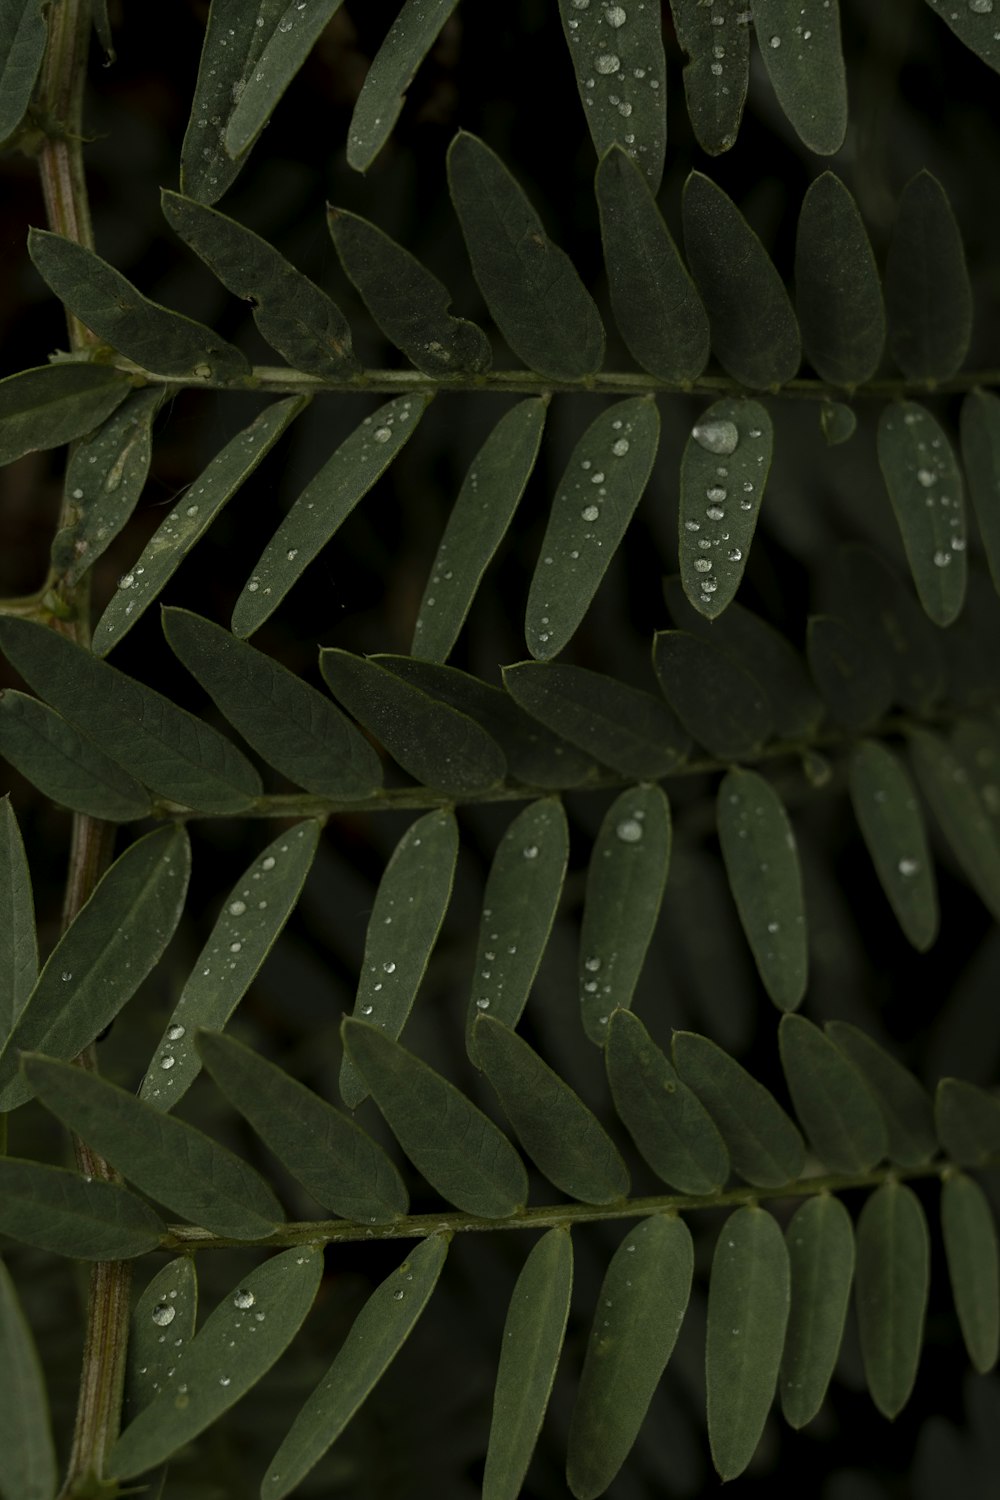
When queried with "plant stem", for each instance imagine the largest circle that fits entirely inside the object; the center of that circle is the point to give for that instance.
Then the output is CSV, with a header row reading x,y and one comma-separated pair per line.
x,y
280,381
188,1238
60,164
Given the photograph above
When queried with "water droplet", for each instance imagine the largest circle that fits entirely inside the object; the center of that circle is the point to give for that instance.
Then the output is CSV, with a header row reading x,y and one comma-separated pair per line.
x,y
235,947
382,434
607,63
244,1298
942,559
589,513
163,1314
398,1296
715,512
629,830
702,565
174,1033
225,1379
620,448
592,964
616,16
268,863
775,41
482,1003
925,477
166,1063
981,7
237,908
716,493
908,867
66,976
389,967
717,437
735,554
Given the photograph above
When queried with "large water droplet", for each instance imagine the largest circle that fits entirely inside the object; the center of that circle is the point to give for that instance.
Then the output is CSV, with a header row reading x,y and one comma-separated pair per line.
x,y
174,1033
244,1298
163,1314
717,437
615,15
607,63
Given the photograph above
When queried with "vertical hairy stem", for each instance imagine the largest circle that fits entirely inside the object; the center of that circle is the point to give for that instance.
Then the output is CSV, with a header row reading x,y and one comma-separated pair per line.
x,y
68,211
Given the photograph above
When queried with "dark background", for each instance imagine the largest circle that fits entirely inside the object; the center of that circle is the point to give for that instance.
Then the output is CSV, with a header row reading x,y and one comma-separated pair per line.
x,y
501,69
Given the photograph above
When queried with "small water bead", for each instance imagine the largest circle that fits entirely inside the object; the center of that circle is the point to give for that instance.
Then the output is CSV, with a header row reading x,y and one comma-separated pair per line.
x,y
166,1063
702,565
366,1010
616,16
163,1314
66,976
597,478
908,867
174,1033
237,908
382,434
482,1003
709,585
692,526
715,493
629,830
192,510
772,927
235,947
268,863
243,1298
620,448
589,513
389,967
981,7
717,437
942,559
735,554
253,586
530,851
398,1296
925,477
775,41
715,512
607,63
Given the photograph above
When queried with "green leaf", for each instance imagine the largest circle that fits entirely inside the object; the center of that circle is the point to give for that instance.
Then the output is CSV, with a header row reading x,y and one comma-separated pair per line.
x,y
62,764
158,743
884,608
796,710
625,883
260,1317
295,728
169,1301
66,1214
23,35
656,307
52,405
949,787
838,296
927,293
924,481
755,336
673,1131
535,757
478,523
246,929
838,422
720,705
975,25
832,1099
748,1306
190,518
717,71
640,1308
332,1157
27,1454
529,1353
625,728
298,319
892,826
435,743
601,486
462,1154
411,900
104,955
765,1148
904,1103
533,292
721,493
891,1292
852,677
234,42
621,74
18,941
820,1241
150,335
378,1333
970,1242
169,1160
800,44
980,427
323,506
564,1139
286,45
762,865
407,301
968,1122
519,906
105,476
410,38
